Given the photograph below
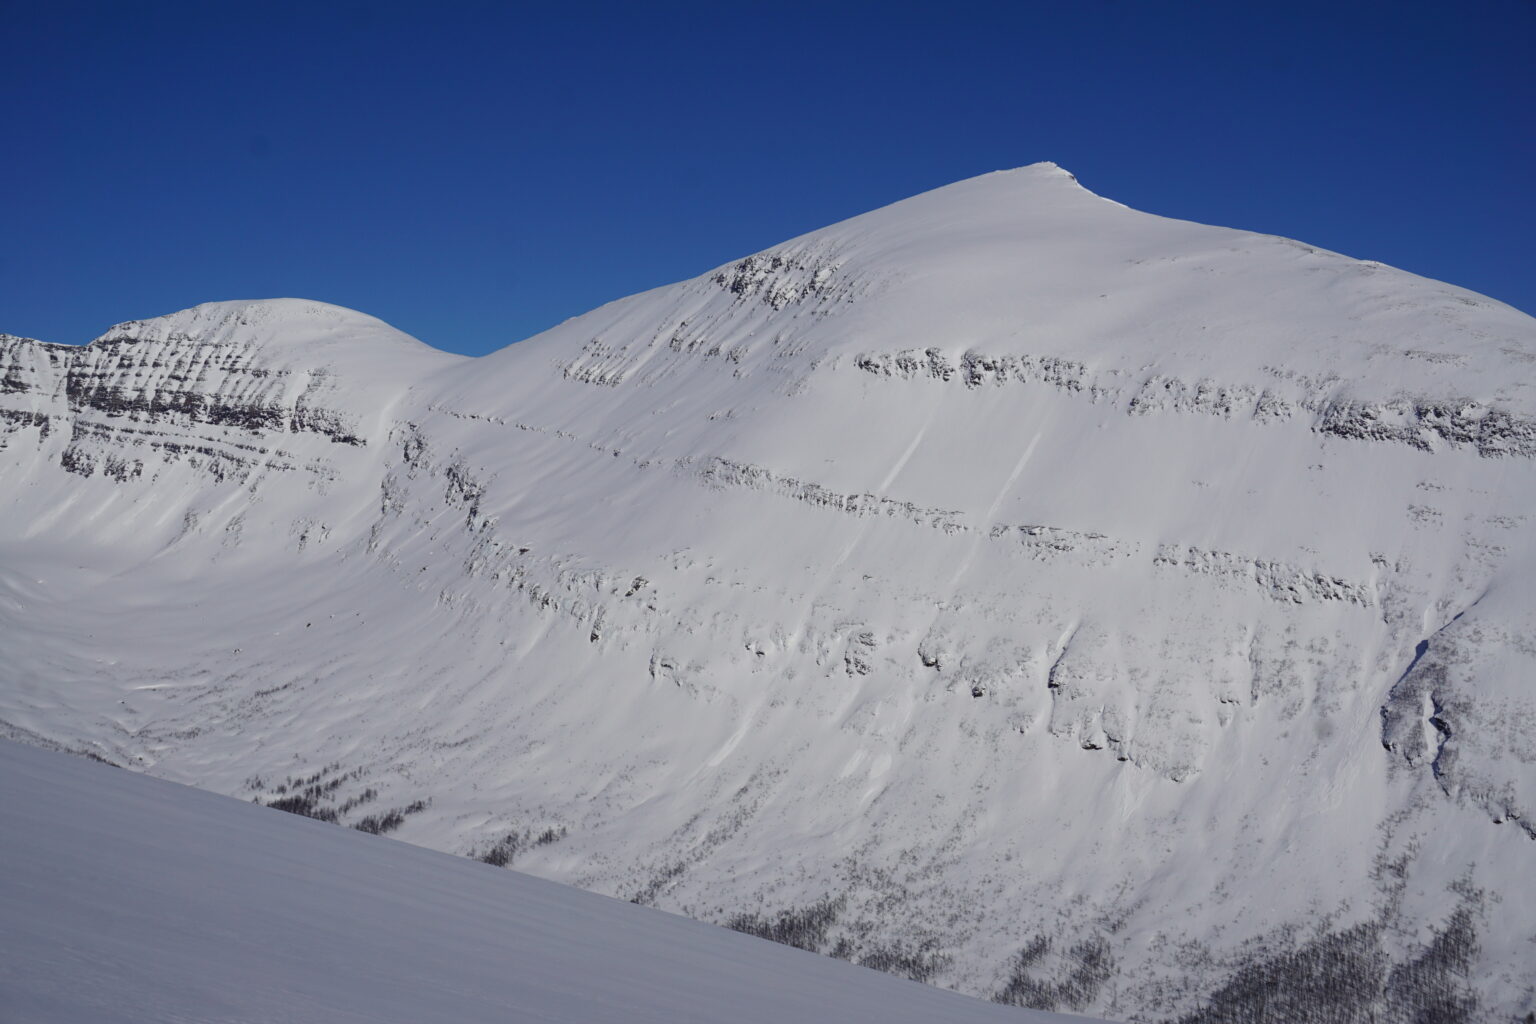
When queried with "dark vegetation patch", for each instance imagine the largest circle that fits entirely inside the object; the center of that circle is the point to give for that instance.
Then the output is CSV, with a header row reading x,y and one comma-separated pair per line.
x,y
1080,971
804,928
1347,977
378,824
918,962
823,927
313,796
503,851
660,879
320,796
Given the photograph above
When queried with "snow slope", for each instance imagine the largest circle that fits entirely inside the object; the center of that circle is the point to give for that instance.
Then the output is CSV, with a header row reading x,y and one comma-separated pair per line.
x,y
1070,605
130,899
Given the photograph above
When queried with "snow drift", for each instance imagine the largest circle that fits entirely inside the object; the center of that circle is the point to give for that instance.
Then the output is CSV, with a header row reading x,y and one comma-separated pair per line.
x,y
129,899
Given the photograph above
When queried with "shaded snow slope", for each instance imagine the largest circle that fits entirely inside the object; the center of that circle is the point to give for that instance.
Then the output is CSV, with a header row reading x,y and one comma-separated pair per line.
x,y
130,899
1057,602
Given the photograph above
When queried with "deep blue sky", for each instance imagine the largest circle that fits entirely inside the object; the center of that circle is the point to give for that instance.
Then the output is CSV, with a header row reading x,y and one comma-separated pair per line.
x,y
476,172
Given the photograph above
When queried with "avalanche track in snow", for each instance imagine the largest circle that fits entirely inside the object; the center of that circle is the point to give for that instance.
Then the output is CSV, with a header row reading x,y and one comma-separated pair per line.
x,y
1004,588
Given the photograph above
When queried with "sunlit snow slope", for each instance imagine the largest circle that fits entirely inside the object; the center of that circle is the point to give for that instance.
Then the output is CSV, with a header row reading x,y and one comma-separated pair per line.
x,y
126,899
1004,588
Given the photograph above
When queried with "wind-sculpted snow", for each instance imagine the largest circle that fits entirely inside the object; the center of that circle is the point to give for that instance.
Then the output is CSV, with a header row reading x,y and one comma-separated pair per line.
x,y
975,369
1276,580
1004,588
786,278
1478,744
720,472
1428,424
1048,543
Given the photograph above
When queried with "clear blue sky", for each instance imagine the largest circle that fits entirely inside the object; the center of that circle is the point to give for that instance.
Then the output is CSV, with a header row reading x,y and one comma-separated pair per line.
x,y
476,172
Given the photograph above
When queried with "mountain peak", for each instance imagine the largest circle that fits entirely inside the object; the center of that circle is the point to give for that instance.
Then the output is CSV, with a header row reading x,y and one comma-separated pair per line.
x,y
280,321
910,586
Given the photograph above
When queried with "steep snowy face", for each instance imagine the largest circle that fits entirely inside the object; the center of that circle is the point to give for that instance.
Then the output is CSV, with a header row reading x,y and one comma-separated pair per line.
x,y
1004,587
227,393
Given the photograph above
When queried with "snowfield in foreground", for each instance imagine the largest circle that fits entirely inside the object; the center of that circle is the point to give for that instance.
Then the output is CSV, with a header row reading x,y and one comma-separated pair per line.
x,y
126,898
1004,588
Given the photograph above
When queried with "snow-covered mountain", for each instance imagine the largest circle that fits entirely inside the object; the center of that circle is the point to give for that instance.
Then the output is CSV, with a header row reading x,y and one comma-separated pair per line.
x,y
1004,588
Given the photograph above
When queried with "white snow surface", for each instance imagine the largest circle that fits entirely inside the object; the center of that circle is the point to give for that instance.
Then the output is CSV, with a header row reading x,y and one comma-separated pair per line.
x,y
1004,569
129,899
